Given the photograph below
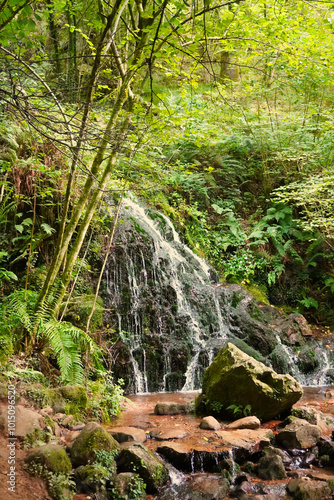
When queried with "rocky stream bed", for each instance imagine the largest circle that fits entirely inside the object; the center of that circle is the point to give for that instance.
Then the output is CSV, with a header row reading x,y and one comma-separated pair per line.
x,y
243,459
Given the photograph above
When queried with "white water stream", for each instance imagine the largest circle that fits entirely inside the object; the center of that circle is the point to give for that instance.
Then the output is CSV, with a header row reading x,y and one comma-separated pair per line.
x,y
195,318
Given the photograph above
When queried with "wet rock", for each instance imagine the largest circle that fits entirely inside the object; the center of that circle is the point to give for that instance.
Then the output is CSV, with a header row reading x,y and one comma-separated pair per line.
x,y
52,457
91,439
245,423
210,424
124,434
171,434
233,378
306,489
170,409
187,459
247,439
124,484
271,465
308,360
197,487
299,434
326,449
136,457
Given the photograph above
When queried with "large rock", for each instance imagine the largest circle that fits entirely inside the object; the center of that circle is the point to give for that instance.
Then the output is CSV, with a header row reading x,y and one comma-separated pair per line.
x,y
91,439
271,465
245,423
246,439
304,489
299,434
26,421
234,378
197,486
124,434
136,457
172,409
52,457
190,459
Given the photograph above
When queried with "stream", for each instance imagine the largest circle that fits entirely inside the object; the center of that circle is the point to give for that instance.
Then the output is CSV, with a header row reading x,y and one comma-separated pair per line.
x,y
138,411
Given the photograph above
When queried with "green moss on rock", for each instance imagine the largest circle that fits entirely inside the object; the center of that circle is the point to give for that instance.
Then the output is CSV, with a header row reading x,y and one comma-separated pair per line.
x,y
136,457
51,457
234,378
93,438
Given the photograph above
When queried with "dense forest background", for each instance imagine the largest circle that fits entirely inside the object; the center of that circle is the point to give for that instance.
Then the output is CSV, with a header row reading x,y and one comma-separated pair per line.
x,y
219,115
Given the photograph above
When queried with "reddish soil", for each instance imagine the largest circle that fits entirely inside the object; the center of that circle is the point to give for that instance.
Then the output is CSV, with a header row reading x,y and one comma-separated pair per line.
x,y
27,487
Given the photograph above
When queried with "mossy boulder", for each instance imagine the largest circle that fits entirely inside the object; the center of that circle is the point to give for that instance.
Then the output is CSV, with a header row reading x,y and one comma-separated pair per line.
x,y
234,378
136,457
271,465
52,457
126,485
304,489
93,478
91,439
299,433
75,394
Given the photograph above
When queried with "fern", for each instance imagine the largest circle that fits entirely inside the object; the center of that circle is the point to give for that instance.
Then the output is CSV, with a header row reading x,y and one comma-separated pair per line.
x,y
65,341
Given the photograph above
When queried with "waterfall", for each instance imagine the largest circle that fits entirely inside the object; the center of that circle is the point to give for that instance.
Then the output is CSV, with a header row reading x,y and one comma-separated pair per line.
x,y
170,312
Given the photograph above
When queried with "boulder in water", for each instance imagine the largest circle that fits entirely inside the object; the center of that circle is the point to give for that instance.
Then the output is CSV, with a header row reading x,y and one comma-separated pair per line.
x,y
238,380
299,434
136,457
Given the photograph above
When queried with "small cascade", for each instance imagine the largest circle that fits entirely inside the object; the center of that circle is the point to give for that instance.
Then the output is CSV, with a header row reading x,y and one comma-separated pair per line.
x,y
318,376
173,315
162,292
233,468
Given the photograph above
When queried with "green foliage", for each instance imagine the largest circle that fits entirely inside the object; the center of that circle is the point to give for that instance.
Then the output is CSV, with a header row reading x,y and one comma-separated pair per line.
x,y
58,485
105,399
40,330
36,438
37,396
240,410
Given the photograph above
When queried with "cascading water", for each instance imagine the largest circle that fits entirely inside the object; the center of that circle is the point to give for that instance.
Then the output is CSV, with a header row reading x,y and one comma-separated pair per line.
x,y
171,313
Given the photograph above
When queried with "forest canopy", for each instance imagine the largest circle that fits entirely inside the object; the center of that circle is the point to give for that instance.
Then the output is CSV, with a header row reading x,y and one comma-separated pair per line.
x,y
218,114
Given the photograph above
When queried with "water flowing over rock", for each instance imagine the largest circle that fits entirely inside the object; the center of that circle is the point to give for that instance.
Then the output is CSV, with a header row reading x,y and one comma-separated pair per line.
x,y
171,314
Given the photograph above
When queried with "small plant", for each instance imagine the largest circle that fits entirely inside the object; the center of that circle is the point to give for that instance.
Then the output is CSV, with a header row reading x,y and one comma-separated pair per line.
x,y
37,397
58,485
105,458
106,399
36,438
216,406
240,410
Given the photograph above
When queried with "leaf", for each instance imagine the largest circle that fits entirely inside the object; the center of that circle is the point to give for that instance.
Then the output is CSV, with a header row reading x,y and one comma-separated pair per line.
x,y
19,228
48,229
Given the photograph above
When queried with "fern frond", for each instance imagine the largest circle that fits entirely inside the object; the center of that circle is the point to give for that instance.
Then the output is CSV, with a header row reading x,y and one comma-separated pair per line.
x,y
65,350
